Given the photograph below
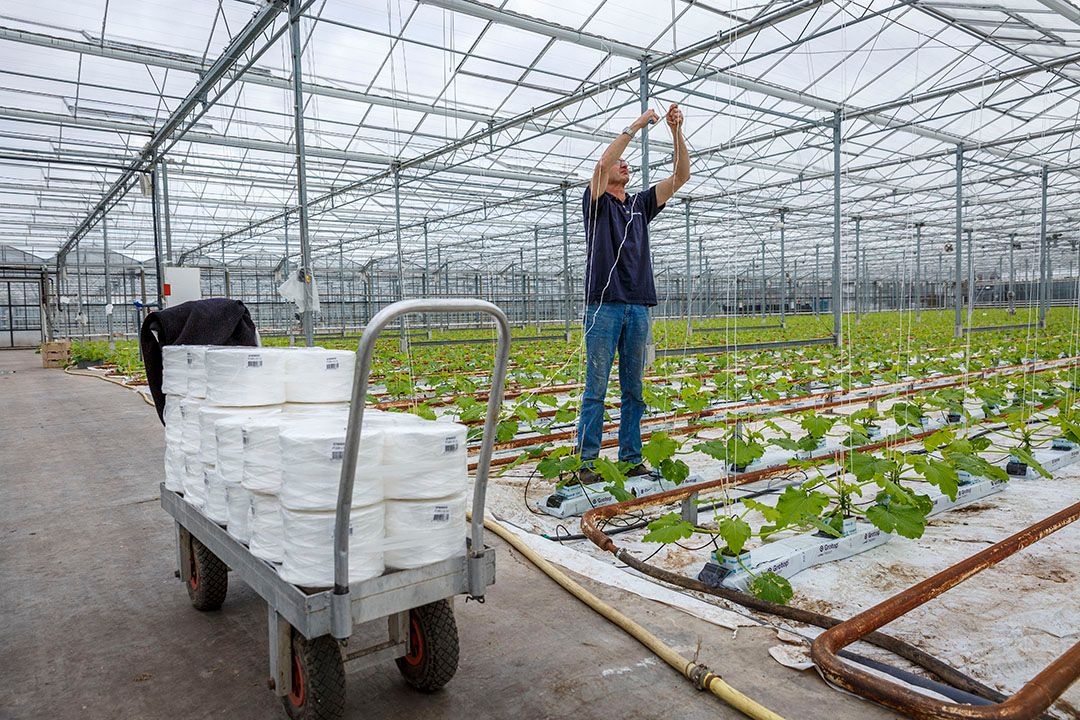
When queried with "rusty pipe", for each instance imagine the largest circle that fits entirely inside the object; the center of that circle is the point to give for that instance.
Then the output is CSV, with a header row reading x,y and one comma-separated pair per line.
x,y
1031,700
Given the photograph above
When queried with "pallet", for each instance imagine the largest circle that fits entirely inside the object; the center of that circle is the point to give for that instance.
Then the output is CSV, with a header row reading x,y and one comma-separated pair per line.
x,y
55,354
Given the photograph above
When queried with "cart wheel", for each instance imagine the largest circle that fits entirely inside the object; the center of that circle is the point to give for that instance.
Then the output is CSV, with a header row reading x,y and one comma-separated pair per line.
x,y
318,679
209,579
433,647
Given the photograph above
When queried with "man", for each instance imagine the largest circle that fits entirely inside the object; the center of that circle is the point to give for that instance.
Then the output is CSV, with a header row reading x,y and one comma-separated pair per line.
x,y
619,289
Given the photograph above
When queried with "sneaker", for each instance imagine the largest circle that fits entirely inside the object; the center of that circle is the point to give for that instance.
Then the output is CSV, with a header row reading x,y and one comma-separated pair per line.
x,y
585,476
638,470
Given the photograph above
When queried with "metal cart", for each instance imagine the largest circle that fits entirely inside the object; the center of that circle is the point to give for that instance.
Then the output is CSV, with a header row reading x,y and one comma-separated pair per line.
x,y
311,643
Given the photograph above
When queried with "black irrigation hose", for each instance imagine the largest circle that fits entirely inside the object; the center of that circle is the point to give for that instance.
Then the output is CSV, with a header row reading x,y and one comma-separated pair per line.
x,y
917,680
938,668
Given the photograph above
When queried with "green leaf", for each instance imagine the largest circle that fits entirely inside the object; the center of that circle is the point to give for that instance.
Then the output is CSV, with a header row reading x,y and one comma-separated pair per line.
x,y
659,448
548,400
675,471
785,442
526,412
768,511
772,587
906,520
565,414
938,473
668,529
817,425
939,439
735,532
906,414
796,506
424,410
506,430
866,467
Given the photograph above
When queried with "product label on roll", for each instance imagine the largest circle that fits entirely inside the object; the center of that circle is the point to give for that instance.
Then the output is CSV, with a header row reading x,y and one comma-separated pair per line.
x,y
243,437
441,514
254,361
451,444
337,450
332,363
190,359
206,478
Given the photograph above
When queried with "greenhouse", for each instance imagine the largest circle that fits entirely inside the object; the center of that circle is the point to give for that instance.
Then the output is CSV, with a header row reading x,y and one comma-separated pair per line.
x,y
521,358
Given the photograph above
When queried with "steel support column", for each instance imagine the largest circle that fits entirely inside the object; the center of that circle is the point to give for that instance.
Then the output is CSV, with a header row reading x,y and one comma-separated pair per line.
x,y
689,275
783,273
307,318
108,289
838,330
858,270
918,271
1044,251
643,96
1011,295
567,299
156,215
970,275
536,276
958,291
166,212
402,341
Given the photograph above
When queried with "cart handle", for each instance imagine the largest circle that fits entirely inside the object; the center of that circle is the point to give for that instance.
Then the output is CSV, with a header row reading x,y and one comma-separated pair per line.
x,y
341,623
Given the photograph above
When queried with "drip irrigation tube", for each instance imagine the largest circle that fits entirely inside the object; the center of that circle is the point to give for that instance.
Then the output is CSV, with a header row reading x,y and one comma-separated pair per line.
x,y
700,675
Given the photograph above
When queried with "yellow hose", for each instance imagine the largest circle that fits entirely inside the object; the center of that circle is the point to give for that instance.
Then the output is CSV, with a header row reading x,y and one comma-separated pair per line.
x,y
696,673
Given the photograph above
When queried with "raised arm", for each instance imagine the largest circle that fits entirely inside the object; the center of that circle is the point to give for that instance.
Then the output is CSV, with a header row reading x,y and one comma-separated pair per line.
x,y
615,151
666,188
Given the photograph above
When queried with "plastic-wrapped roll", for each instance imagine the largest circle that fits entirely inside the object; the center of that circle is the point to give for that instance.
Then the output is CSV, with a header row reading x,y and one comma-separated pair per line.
x,y
312,453
421,532
216,506
194,482
292,408
238,501
245,376
262,453
229,435
208,417
174,453
174,370
189,420
196,370
266,533
317,375
423,459
309,546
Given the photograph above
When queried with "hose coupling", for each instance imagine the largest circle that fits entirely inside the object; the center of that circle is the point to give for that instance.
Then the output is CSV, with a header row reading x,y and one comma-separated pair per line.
x,y
700,675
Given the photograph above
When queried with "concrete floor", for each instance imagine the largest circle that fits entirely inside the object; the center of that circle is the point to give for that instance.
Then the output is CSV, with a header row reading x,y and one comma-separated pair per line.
x,y
93,624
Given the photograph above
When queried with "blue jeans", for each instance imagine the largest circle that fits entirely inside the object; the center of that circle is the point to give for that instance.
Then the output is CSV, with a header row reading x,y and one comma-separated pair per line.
x,y
623,328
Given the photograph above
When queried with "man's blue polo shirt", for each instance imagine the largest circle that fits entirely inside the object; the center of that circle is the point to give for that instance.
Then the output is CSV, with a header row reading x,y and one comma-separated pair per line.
x,y
613,273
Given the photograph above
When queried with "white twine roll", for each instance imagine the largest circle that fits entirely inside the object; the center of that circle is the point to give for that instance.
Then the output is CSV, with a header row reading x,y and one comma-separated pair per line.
x,y
245,376
312,453
196,370
421,532
208,417
424,459
174,452
216,506
317,375
309,546
266,532
238,523
262,453
174,370
194,482
229,435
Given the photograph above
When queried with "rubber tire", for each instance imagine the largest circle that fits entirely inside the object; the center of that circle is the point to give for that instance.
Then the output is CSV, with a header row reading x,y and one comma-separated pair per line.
x,y
318,680
433,647
209,579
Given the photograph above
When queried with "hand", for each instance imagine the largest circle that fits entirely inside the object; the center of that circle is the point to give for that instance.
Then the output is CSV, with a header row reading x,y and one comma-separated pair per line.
x,y
674,117
647,118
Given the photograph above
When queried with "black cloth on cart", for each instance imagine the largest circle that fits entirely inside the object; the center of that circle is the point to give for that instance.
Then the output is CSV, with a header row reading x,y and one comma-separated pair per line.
x,y
217,321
